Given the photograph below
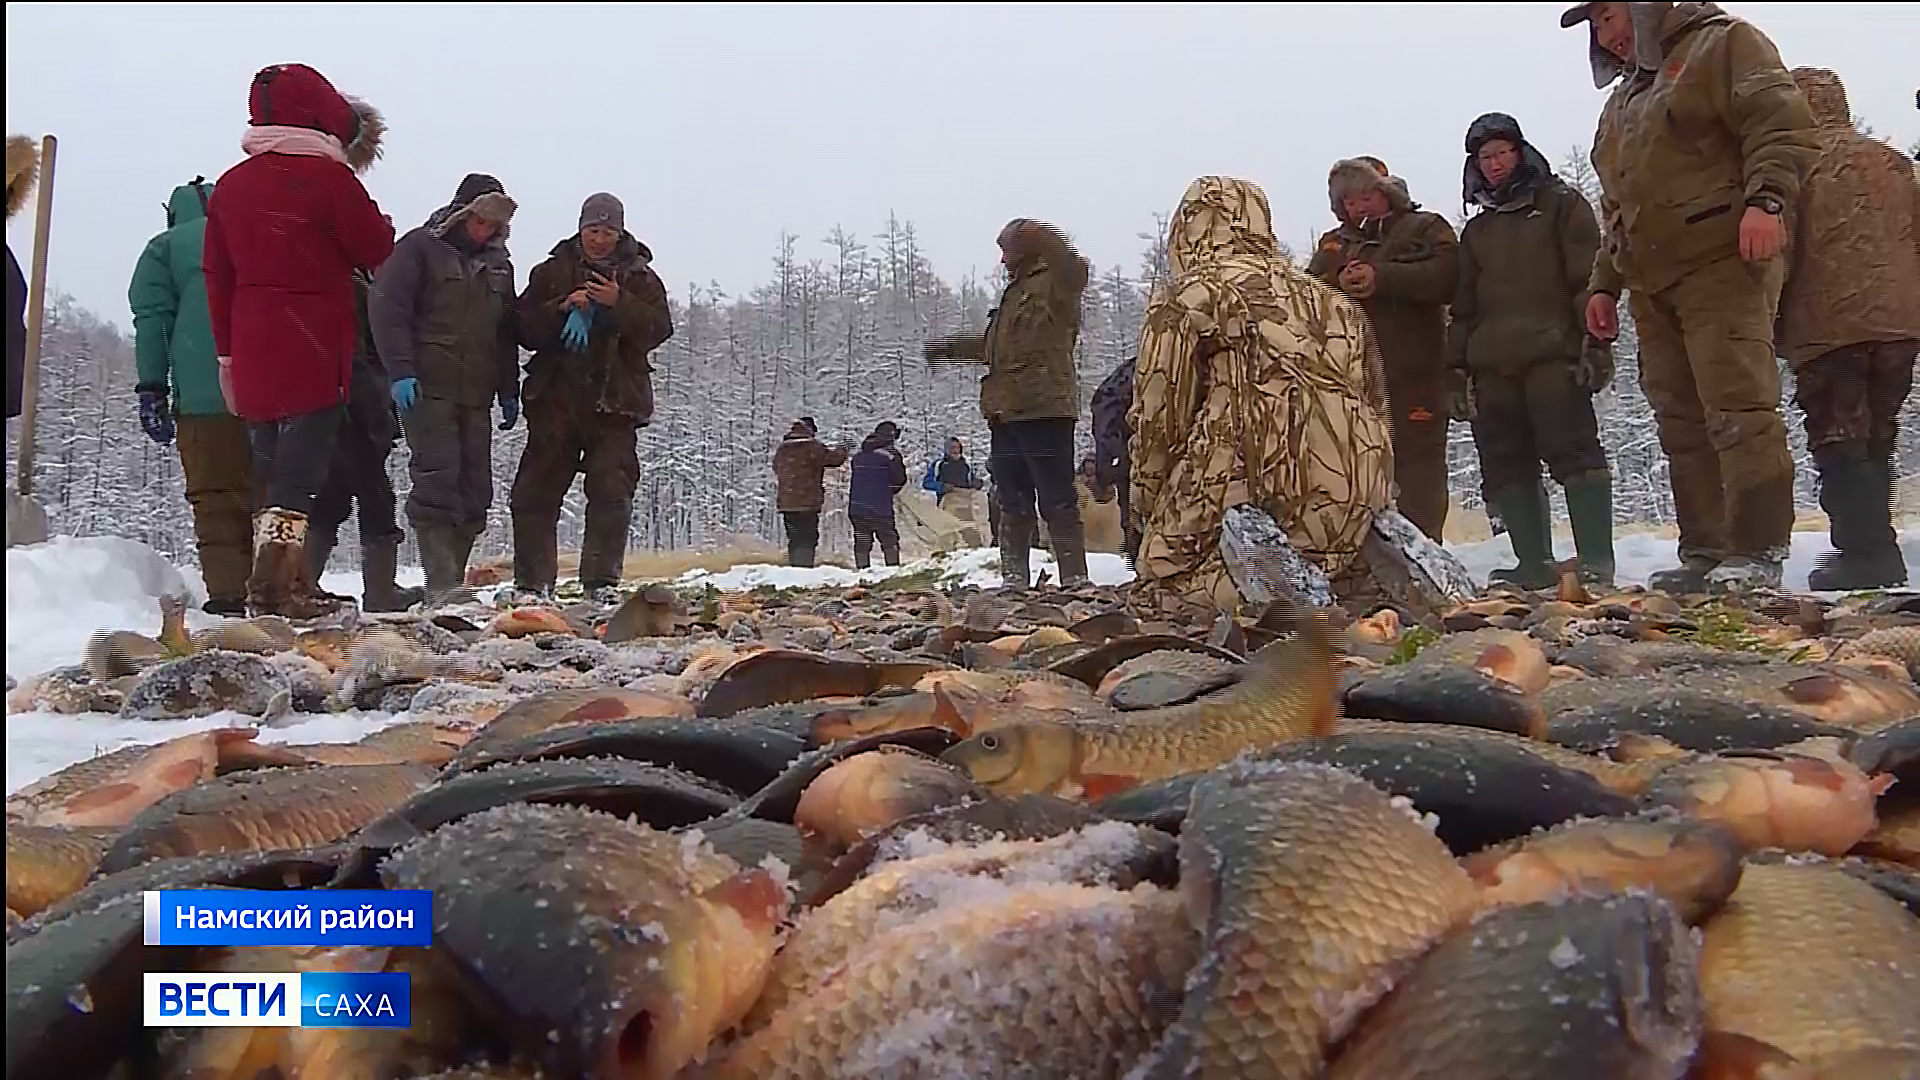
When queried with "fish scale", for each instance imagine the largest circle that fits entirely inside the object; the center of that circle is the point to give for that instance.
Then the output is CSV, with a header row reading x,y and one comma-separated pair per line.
x,y
1315,890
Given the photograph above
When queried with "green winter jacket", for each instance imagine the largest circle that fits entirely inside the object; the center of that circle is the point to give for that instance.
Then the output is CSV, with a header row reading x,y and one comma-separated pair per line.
x,y
172,335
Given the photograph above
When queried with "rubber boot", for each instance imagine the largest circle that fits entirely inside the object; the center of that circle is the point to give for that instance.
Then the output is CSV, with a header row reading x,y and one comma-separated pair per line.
x,y
1016,536
1857,494
1070,552
603,547
379,561
1689,577
320,545
279,583
462,551
536,553
1590,509
1524,509
438,544
801,557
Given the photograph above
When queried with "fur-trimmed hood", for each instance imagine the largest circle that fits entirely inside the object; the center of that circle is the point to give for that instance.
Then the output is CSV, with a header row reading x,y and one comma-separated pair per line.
x,y
1532,171
23,168
295,95
1354,175
1219,216
484,194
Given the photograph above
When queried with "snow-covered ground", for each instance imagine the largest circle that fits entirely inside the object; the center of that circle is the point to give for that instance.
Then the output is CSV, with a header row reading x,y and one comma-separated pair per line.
x,y
61,592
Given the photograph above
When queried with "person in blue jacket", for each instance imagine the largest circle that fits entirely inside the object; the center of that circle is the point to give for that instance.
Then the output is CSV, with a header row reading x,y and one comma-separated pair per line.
x,y
878,474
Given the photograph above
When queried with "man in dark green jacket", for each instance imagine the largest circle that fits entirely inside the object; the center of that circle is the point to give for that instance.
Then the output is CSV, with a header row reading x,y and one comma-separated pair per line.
x,y
179,388
1030,397
1518,337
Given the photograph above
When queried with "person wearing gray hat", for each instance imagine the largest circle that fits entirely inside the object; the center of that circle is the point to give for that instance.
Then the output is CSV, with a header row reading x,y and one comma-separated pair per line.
x,y
591,314
1701,145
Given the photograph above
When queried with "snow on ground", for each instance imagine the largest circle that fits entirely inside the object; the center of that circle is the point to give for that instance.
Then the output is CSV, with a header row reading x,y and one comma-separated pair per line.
x,y
61,592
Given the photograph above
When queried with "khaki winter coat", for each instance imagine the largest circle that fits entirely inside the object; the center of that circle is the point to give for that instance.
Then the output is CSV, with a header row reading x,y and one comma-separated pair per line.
x,y
1522,295
1680,150
1030,337
1853,266
1251,388
1415,257
799,470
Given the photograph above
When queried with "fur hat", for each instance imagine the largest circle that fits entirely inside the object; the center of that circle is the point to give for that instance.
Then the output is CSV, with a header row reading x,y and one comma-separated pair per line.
x,y
1353,176
1647,20
23,168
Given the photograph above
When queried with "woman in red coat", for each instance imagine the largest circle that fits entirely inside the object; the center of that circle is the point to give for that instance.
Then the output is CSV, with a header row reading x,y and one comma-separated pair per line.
x,y
286,229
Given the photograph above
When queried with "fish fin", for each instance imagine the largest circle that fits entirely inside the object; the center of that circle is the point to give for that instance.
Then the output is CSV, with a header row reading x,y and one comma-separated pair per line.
x,y
106,795
1100,785
1814,773
1725,1055
1633,746
600,708
1880,782
1497,661
947,715
759,899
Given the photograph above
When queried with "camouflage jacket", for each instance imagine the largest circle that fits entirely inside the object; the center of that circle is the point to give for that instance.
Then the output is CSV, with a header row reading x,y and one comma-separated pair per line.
x,y
799,470
615,368
1030,338
1853,263
1681,150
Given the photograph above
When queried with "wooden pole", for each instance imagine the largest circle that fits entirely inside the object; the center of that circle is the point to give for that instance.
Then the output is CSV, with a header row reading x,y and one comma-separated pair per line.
x,y
36,312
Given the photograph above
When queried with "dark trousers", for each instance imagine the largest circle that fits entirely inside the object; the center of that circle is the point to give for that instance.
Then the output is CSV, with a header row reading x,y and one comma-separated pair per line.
x,y
567,435
1033,471
1855,393
868,529
451,464
358,475
291,457
803,535
1528,417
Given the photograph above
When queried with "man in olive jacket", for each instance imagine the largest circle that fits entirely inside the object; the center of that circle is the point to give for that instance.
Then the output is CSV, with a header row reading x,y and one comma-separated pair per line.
x,y
591,314
179,390
1030,397
1517,336
1399,263
1701,145
442,312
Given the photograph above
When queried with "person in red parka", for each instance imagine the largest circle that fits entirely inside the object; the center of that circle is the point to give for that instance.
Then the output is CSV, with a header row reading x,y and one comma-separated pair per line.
x,y
286,229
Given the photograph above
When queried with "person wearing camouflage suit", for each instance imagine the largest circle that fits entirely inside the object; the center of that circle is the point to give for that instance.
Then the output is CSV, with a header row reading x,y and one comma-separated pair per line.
x,y
1700,146
1030,397
442,312
1399,263
591,314
1252,388
1849,327
1517,338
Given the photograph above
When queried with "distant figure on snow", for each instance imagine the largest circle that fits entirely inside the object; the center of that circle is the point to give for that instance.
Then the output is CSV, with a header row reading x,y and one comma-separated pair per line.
x,y
800,464
879,473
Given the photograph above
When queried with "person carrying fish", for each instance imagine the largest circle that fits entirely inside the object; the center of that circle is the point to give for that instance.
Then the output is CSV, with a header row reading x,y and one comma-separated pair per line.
x,y
1233,406
591,314
1702,143
879,473
286,229
1399,263
1030,397
357,479
443,316
1111,400
1850,327
1518,339
179,392
800,464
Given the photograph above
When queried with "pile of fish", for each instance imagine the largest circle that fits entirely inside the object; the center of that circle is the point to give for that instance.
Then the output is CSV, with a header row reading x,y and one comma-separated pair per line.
x,y
915,835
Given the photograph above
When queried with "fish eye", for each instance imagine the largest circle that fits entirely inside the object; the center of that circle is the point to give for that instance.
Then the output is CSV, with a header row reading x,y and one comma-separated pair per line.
x,y
990,743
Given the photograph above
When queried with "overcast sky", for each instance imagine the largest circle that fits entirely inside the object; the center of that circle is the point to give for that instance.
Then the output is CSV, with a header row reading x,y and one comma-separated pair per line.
x,y
720,125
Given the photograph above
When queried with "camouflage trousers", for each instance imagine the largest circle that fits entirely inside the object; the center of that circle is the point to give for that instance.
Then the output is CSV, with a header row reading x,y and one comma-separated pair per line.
x,y
1707,367
218,465
1854,394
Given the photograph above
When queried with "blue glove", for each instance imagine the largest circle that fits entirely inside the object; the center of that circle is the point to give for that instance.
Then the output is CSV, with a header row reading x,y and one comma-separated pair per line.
x,y
509,411
156,419
574,334
405,393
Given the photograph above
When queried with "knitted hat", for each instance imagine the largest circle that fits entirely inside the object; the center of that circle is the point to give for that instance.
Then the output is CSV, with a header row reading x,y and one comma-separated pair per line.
x,y
603,209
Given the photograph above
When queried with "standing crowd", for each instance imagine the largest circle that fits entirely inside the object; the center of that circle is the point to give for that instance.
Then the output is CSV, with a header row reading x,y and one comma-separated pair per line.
x,y
285,341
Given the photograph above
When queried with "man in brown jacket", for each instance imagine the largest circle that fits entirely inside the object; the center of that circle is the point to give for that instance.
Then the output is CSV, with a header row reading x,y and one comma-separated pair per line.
x,y
1400,262
1030,397
590,314
800,465
1699,148
1850,327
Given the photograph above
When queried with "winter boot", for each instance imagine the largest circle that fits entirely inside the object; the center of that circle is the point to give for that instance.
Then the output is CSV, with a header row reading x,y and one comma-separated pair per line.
x,y
379,561
439,546
1524,509
1856,492
1745,573
603,548
320,545
536,554
279,582
1590,508
802,557
1689,577
1070,552
1016,534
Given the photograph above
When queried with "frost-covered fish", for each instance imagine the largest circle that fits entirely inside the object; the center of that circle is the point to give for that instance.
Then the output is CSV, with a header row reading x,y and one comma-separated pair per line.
x,y
47,864
1046,981
1693,865
111,789
1777,799
1596,988
868,792
1288,694
209,682
1315,892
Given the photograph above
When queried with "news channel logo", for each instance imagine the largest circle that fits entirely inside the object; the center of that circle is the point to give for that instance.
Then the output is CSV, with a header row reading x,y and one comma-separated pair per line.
x,y
327,999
